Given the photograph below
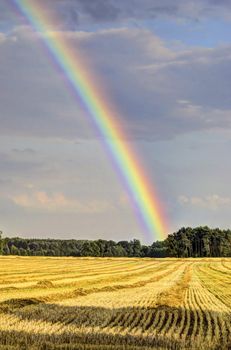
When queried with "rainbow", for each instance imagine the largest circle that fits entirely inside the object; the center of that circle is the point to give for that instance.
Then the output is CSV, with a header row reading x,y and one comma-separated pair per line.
x,y
146,202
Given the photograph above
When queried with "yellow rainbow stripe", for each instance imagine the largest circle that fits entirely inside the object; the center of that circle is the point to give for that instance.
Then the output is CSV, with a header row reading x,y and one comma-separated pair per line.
x,y
83,83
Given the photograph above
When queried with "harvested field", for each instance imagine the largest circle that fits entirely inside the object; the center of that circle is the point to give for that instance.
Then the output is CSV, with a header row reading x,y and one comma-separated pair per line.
x,y
114,303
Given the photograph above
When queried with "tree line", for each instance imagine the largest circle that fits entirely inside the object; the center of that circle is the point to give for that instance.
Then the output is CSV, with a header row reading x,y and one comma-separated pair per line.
x,y
186,242
199,242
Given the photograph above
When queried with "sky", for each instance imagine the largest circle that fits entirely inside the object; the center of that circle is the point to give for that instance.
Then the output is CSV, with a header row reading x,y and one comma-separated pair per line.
x,y
166,68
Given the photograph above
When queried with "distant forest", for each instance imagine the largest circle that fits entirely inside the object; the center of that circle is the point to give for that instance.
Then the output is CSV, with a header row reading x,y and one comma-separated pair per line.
x,y
187,242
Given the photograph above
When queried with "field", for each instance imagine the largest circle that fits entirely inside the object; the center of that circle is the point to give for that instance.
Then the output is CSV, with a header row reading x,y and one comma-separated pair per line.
x,y
114,303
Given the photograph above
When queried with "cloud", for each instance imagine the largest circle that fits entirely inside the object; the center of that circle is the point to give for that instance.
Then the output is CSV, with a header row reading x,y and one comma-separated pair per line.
x,y
100,10
76,12
119,10
25,151
212,202
17,163
2,38
154,91
58,202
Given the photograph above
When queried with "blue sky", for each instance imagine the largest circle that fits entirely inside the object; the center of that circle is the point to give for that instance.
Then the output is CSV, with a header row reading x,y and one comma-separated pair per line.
x,y
204,33
166,67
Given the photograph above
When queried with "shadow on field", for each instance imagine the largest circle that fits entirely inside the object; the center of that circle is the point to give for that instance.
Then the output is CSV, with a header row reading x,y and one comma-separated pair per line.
x,y
53,326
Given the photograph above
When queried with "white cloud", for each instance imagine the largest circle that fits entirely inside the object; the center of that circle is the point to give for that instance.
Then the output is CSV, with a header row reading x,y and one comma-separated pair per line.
x,y
212,202
58,202
183,200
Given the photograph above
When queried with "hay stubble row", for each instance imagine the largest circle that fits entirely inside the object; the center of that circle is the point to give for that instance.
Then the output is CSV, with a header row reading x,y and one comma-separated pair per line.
x,y
106,303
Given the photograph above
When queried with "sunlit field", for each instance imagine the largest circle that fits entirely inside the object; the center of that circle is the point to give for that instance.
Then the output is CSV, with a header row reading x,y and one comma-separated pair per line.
x,y
114,303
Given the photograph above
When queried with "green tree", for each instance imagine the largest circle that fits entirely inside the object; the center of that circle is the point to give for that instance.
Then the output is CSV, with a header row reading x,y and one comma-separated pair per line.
x,y
14,250
136,245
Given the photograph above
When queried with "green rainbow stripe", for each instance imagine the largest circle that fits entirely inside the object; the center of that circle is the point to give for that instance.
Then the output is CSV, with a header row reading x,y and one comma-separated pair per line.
x,y
80,78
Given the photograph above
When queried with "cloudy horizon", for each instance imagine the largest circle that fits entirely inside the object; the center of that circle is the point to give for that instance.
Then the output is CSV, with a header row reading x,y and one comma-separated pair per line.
x,y
165,67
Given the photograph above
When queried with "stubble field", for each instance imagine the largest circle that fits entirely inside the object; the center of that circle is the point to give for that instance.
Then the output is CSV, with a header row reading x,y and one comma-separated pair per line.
x,y
114,303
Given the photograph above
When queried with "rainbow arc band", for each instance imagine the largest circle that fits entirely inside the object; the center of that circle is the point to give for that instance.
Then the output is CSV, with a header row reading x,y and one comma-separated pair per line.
x,y
146,202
